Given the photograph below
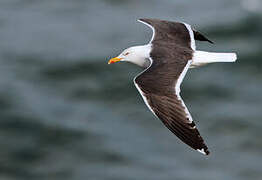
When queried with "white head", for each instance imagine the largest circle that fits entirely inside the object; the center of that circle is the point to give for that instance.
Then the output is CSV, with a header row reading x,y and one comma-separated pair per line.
x,y
137,55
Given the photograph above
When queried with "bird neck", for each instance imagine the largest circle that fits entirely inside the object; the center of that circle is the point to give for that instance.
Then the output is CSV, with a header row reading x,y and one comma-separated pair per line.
x,y
141,55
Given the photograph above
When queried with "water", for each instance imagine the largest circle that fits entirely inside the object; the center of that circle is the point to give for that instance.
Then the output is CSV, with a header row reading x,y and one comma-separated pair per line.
x,y
66,114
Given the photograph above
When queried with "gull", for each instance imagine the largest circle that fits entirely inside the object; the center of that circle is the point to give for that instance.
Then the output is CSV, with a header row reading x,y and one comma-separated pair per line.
x,y
166,59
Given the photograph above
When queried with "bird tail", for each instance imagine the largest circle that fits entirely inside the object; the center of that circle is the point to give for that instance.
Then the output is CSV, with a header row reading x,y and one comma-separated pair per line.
x,y
201,58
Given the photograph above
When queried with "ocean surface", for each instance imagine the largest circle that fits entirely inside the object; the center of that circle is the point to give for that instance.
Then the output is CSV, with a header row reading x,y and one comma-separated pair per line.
x,y
67,115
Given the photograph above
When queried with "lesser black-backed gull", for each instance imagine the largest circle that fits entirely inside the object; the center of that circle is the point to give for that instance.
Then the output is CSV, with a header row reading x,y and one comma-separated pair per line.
x,y
166,59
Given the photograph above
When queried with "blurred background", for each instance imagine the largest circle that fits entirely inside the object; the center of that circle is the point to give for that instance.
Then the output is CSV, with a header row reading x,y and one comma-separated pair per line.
x,y
67,115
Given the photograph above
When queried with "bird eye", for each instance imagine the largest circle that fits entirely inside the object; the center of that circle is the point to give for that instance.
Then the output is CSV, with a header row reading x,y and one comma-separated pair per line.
x,y
126,54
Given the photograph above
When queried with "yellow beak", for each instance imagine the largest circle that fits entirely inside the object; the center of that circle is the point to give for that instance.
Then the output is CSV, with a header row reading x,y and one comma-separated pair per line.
x,y
113,60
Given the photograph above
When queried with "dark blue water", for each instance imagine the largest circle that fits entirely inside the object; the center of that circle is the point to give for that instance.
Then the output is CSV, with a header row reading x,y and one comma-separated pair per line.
x,y
65,114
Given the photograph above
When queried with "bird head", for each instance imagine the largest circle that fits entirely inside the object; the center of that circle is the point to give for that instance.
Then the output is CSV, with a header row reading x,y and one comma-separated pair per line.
x,y
136,55
126,55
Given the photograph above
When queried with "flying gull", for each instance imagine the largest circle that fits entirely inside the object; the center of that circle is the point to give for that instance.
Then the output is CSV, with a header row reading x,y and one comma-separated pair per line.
x,y
166,59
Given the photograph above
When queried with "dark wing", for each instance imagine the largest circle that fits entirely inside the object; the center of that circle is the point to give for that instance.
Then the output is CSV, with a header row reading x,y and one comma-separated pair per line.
x,y
200,37
159,86
171,32
165,102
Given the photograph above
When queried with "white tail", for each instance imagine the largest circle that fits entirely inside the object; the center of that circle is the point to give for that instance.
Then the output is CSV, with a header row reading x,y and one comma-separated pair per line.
x,y
201,58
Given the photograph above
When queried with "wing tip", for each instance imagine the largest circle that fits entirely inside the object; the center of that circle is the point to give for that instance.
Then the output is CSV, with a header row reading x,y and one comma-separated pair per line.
x,y
204,151
140,19
143,20
200,37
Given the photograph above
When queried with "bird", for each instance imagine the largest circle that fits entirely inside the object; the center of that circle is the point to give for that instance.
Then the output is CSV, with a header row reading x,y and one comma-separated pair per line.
x,y
165,61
